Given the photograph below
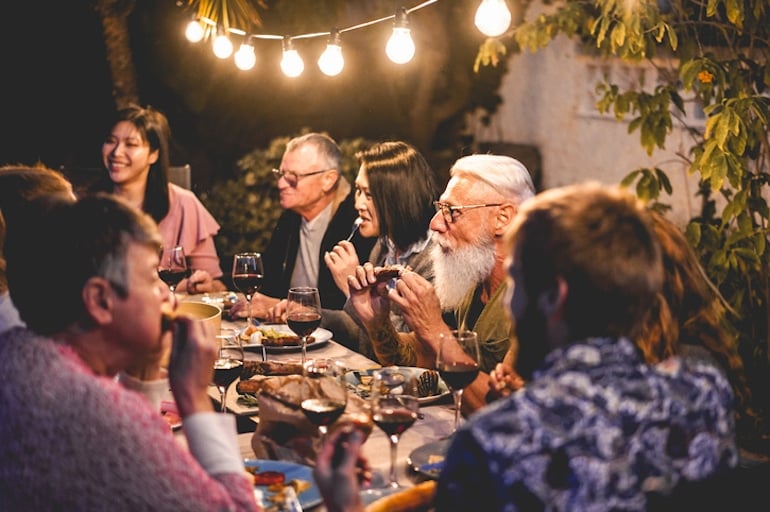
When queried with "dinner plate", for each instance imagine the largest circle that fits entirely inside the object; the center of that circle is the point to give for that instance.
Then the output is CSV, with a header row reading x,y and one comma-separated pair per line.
x,y
427,460
358,381
309,498
322,337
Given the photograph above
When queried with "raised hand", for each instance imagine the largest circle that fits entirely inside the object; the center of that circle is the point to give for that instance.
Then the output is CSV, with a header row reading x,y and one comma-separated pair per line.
x,y
419,305
342,262
368,297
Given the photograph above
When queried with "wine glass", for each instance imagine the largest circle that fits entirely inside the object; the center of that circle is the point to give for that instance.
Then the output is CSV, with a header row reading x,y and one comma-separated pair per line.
x,y
394,407
247,276
172,267
303,313
228,365
324,392
458,368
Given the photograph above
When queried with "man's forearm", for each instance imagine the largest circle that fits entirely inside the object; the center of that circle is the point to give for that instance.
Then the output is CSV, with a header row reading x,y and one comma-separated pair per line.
x,y
390,347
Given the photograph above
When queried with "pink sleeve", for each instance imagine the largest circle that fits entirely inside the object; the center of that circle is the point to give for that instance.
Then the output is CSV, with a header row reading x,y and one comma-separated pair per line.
x,y
190,225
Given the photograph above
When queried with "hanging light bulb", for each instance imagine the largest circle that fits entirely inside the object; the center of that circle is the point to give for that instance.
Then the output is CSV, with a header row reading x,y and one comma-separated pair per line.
x,y
223,47
400,47
194,31
331,61
291,63
493,17
244,57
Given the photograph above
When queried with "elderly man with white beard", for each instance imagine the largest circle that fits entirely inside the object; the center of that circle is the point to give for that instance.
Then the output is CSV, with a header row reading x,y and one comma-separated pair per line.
x,y
474,212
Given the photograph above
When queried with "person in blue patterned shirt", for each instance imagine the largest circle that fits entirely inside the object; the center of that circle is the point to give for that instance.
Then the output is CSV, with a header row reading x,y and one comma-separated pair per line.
x,y
596,427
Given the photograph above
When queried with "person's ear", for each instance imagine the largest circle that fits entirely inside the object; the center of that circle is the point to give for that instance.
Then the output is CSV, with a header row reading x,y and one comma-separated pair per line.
x,y
97,299
154,156
328,179
505,214
551,300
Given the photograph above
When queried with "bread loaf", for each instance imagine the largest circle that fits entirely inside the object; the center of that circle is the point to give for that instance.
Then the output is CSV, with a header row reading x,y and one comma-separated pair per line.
x,y
413,499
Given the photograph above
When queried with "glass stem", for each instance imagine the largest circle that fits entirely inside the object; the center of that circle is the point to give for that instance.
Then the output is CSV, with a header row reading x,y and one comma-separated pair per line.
x,y
393,449
458,406
304,349
248,317
223,392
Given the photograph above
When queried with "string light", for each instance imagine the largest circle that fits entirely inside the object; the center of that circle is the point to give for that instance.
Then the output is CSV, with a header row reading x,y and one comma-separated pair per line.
x,y
291,63
245,57
493,17
400,48
331,61
223,47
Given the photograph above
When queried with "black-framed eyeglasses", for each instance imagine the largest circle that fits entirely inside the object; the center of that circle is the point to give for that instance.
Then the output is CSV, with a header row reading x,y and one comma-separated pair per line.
x,y
292,177
451,213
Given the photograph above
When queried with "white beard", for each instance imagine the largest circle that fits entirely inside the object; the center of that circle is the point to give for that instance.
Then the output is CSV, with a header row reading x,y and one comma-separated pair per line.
x,y
458,271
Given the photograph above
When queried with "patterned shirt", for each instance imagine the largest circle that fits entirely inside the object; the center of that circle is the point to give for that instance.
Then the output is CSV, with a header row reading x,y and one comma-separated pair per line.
x,y
595,430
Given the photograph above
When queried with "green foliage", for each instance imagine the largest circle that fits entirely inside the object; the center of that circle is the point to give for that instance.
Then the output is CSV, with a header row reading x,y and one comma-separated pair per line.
x,y
722,64
247,206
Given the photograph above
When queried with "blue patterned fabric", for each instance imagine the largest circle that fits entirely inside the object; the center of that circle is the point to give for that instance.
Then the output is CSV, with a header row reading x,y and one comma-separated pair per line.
x,y
595,430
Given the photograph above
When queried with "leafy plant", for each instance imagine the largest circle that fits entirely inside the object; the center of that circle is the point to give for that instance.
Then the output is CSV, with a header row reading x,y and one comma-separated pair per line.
x,y
718,53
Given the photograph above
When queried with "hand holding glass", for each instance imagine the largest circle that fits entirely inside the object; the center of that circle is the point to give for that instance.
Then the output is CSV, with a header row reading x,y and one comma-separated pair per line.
x,y
247,276
324,392
395,405
458,368
228,365
303,313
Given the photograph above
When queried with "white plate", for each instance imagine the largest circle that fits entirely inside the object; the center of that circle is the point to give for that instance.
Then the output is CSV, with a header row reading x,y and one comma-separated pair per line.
x,y
307,499
322,336
427,460
353,378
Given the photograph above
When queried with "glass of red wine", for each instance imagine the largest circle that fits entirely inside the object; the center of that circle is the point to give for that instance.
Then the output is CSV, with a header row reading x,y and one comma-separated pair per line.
x,y
247,276
394,407
172,267
324,392
303,313
458,366
228,365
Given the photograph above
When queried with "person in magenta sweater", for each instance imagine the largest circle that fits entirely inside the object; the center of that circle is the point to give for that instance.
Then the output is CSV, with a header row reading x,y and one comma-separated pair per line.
x,y
72,438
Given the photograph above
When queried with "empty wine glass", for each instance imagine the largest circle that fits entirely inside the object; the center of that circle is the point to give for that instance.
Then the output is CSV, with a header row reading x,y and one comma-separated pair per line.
x,y
247,276
458,368
324,392
394,407
228,365
172,267
303,313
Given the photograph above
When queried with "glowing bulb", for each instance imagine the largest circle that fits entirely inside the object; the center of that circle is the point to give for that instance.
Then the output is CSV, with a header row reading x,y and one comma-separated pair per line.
x,y
194,31
291,63
223,47
400,48
244,57
493,17
331,61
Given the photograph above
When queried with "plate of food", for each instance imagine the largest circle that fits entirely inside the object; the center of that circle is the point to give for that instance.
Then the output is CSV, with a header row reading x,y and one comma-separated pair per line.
x,y
279,338
428,459
429,384
274,477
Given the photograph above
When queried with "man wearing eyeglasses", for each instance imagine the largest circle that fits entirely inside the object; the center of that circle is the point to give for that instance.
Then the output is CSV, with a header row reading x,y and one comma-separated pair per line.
x,y
474,212
318,212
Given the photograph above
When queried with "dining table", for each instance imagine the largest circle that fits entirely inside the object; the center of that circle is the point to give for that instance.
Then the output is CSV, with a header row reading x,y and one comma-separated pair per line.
x,y
433,426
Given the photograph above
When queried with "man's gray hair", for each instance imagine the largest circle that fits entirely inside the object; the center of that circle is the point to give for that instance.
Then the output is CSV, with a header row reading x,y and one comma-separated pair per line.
x,y
326,147
505,174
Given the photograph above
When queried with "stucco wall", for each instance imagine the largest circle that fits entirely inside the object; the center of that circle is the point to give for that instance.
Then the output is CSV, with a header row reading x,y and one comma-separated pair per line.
x,y
548,102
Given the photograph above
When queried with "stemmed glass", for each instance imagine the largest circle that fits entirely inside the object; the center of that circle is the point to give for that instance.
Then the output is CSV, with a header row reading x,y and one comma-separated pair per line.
x,y
172,267
247,276
458,369
394,406
303,313
228,365
324,392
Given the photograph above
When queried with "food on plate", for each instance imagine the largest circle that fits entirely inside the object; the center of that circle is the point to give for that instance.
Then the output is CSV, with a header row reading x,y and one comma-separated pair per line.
x,y
419,497
268,478
273,338
282,491
251,368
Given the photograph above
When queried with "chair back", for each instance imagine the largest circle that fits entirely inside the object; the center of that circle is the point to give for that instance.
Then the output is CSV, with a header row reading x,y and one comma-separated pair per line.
x,y
180,175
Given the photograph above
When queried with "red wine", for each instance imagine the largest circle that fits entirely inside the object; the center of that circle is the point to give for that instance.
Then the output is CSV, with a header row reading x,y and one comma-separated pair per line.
x,y
248,283
226,371
303,324
458,375
172,277
322,411
394,421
